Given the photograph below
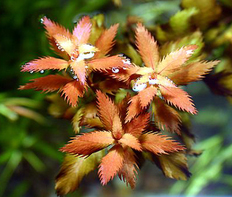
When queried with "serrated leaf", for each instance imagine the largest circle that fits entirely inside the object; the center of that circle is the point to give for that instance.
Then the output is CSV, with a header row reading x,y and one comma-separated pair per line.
x,y
45,63
79,70
111,164
159,144
65,43
48,83
88,143
137,125
147,46
102,64
54,28
107,110
73,170
71,91
129,168
131,141
106,41
147,95
192,72
165,116
175,59
134,108
179,98
174,165
82,31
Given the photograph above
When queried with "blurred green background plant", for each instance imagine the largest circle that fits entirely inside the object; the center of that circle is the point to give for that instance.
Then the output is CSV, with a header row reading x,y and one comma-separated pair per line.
x,y
30,138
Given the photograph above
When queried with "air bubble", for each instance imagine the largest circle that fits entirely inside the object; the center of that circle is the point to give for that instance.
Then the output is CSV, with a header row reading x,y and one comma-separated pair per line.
x,y
42,20
121,55
31,72
115,70
189,52
126,61
42,71
75,77
73,58
139,87
152,81
87,55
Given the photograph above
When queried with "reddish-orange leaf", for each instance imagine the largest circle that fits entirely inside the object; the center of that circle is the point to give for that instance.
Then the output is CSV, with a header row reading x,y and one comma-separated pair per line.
x,y
129,168
165,81
166,116
45,64
48,83
179,98
192,72
102,64
88,143
82,31
65,44
147,46
54,28
159,144
117,131
72,91
146,96
131,141
111,164
137,125
175,59
122,107
134,108
107,110
106,41
79,70
57,49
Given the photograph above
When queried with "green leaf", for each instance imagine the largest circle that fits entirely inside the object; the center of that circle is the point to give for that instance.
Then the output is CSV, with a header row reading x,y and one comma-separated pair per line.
x,y
35,162
76,120
5,111
209,11
180,23
7,172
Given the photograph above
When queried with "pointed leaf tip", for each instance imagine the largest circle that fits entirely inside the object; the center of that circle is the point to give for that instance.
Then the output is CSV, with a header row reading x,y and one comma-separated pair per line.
x,y
111,164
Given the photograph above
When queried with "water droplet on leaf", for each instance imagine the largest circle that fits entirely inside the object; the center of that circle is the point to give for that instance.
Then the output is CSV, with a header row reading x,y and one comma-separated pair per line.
x,y
139,87
115,70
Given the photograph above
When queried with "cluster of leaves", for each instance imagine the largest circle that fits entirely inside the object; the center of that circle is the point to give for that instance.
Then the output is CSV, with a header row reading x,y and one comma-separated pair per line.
x,y
127,105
